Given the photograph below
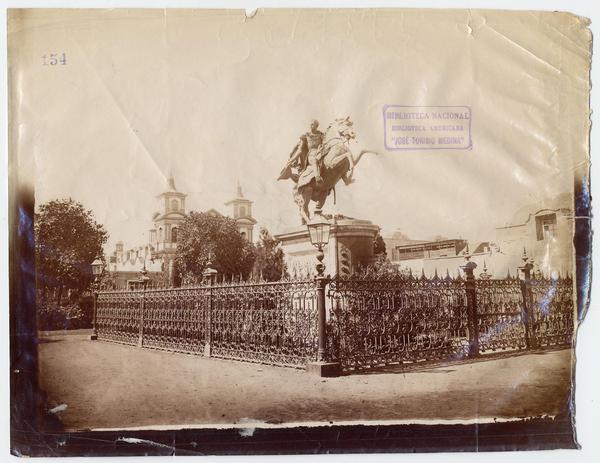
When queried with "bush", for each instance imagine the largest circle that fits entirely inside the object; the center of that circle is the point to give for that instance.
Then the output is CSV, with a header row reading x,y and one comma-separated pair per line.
x,y
381,268
72,316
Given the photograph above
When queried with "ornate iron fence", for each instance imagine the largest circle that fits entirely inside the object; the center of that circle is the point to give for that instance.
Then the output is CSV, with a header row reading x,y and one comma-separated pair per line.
x,y
500,315
272,323
551,311
117,316
176,319
412,320
367,323
397,320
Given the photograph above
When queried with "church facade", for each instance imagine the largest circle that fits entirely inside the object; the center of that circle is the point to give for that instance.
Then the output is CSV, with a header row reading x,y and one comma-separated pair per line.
x,y
157,256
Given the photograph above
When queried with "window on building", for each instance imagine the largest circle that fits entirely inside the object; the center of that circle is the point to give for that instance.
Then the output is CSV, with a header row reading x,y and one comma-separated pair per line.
x,y
160,234
174,205
545,226
243,234
174,235
242,211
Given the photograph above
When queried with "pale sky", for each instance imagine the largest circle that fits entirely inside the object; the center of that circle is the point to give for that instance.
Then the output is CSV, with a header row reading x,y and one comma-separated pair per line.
x,y
216,98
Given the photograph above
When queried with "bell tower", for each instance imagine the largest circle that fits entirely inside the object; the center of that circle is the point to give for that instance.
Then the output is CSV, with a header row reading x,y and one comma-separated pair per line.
x,y
164,235
240,209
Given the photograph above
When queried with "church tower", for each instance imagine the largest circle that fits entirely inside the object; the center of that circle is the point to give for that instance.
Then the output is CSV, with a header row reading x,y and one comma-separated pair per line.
x,y
241,212
164,234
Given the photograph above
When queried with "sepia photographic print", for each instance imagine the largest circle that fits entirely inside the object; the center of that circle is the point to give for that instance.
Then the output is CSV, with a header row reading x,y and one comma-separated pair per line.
x,y
298,231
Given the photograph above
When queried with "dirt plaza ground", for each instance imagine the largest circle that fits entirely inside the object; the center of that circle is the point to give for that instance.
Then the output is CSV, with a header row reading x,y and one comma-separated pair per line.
x,y
97,385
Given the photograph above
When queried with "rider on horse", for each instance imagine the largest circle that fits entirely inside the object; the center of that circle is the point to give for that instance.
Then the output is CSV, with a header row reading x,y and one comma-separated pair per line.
x,y
306,157
325,158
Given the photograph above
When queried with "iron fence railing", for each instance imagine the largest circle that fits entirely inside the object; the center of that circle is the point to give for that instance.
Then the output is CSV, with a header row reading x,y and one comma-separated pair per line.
x,y
400,320
397,320
269,322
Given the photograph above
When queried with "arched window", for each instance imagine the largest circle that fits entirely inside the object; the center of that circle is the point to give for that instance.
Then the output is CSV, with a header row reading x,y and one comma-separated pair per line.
x,y
174,235
160,235
243,234
242,211
174,205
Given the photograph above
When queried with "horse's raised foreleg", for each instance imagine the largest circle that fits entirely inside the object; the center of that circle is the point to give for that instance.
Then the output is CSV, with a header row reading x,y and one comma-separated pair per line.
x,y
360,155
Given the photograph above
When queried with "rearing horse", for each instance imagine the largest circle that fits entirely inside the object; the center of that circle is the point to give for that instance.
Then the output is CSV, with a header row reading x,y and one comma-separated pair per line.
x,y
337,163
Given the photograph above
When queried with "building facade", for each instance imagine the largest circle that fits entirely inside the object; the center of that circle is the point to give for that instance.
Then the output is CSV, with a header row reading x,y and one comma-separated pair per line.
x,y
543,230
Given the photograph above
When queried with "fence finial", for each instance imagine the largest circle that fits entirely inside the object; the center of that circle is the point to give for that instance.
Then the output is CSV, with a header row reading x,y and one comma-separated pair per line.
x,y
466,253
485,275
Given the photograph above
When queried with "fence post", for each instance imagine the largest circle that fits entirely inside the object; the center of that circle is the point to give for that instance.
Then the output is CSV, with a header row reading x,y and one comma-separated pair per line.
x,y
527,301
322,350
94,335
473,322
208,332
209,276
323,367
144,281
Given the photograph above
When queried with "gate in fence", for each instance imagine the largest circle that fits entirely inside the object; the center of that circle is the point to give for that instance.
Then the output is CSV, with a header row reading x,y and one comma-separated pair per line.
x,y
351,323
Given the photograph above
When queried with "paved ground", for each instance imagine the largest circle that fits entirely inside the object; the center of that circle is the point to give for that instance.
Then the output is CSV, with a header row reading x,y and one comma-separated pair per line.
x,y
105,385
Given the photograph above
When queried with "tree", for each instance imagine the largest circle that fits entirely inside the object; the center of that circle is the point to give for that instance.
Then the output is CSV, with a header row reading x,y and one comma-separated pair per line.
x,y
67,241
379,246
203,236
270,263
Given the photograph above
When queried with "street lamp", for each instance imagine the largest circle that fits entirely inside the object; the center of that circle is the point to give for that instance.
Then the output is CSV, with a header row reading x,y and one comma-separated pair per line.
x,y
97,269
210,273
318,230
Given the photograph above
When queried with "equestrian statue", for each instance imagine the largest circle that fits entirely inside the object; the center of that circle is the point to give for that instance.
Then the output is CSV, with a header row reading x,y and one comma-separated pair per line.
x,y
319,161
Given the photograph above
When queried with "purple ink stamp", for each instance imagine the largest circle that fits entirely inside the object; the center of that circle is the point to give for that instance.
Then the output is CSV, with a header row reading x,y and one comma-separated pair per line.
x,y
426,127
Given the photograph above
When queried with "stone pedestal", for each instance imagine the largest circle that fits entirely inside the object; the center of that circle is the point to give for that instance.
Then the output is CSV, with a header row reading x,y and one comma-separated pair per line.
x,y
350,247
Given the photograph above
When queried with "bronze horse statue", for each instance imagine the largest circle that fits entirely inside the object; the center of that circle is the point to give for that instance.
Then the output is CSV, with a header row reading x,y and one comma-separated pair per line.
x,y
336,163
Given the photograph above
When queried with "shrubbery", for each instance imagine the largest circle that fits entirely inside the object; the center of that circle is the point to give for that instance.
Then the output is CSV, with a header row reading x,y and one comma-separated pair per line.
x,y
72,316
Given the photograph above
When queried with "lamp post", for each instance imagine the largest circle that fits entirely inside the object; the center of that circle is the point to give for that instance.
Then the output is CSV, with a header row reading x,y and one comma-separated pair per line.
x,y
473,322
97,269
210,273
318,230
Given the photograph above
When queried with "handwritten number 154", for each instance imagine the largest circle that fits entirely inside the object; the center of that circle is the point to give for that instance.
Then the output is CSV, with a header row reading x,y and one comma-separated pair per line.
x,y
54,59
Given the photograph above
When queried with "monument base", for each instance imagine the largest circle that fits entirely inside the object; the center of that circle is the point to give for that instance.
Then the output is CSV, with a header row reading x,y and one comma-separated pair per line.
x,y
324,369
350,247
